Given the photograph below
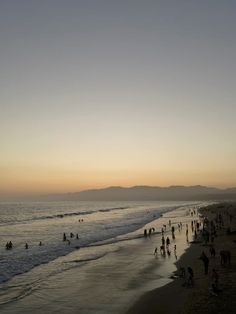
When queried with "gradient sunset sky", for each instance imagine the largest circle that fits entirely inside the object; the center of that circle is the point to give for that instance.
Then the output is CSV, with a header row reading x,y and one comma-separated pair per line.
x,y
99,93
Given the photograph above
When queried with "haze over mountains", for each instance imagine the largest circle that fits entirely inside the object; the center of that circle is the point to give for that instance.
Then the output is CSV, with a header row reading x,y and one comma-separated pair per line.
x,y
149,193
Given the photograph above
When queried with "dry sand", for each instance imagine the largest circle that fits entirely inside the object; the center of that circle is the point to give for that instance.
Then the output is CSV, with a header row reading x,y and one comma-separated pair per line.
x,y
179,299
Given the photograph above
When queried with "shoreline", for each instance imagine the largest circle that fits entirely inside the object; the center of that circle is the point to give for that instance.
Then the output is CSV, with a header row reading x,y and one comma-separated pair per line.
x,y
157,300
174,297
106,285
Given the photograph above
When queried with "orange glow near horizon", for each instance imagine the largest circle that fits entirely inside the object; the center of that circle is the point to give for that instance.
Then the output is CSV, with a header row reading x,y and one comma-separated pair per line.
x,y
41,182
95,95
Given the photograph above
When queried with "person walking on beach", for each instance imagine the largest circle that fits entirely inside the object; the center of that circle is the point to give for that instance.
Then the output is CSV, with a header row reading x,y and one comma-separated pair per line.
x,y
212,251
155,252
167,242
215,278
175,252
205,260
162,250
163,240
190,276
173,232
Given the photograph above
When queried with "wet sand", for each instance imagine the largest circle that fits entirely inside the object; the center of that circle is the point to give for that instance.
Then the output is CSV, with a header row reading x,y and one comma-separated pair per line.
x,y
176,298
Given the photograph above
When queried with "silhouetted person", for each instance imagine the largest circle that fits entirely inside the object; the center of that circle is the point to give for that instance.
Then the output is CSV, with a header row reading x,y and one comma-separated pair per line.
x,y
64,236
155,252
212,252
162,250
26,246
205,260
175,252
167,241
190,276
215,277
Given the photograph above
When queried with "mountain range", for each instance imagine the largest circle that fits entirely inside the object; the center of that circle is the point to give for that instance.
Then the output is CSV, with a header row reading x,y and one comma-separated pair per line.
x,y
149,193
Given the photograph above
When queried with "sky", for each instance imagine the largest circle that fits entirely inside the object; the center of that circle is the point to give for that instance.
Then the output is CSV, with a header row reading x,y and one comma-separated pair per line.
x,y
96,93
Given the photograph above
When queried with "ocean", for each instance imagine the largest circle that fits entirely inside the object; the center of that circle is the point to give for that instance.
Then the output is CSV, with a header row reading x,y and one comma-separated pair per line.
x,y
106,231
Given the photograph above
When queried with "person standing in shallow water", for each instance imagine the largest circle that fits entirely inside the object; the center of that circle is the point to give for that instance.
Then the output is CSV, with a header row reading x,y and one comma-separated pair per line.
x,y
64,236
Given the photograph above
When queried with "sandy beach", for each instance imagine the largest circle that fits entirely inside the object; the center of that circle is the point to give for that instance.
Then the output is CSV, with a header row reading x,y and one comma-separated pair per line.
x,y
176,297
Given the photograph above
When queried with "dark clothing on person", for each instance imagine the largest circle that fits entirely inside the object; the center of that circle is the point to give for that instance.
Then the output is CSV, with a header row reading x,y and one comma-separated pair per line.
x,y
205,260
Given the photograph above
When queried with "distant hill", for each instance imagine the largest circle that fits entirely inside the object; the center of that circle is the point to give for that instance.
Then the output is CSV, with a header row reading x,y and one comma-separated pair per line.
x,y
149,193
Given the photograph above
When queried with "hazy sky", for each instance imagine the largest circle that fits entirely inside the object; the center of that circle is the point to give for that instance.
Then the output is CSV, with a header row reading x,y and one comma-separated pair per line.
x,y
98,93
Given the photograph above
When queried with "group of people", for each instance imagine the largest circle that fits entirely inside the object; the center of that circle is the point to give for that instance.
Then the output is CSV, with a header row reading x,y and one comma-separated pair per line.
x,y
208,234
188,274
149,232
9,245
165,242
71,237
